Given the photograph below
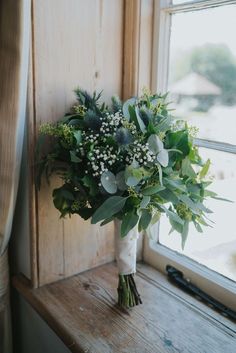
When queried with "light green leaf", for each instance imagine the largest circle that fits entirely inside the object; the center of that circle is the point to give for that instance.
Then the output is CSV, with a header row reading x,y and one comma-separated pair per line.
x,y
108,181
187,168
163,158
176,226
132,181
176,184
155,144
198,227
160,173
128,223
145,201
129,102
190,203
205,169
156,217
109,208
184,234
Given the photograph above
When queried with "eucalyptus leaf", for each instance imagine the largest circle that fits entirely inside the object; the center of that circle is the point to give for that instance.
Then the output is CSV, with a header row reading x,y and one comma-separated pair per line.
x,y
108,181
78,136
129,102
109,208
154,189
190,203
155,144
145,201
163,158
129,221
139,119
120,181
187,168
172,215
132,181
145,219
184,234
159,173
156,217
205,169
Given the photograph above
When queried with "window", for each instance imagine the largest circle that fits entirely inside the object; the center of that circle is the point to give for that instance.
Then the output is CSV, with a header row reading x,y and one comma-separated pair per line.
x,y
195,60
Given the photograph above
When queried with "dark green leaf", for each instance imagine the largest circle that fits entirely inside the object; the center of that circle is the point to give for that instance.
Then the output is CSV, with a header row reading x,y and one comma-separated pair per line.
x,y
78,136
129,221
145,219
150,190
74,158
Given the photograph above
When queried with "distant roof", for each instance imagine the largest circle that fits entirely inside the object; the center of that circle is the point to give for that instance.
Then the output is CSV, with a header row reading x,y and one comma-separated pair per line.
x,y
193,85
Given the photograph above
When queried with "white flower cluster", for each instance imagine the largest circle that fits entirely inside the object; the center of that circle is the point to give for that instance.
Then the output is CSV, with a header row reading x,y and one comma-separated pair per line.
x,y
92,137
102,158
140,153
110,123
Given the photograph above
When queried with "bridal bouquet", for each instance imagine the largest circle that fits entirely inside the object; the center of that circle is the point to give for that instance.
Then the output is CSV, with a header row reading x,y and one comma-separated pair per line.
x,y
128,162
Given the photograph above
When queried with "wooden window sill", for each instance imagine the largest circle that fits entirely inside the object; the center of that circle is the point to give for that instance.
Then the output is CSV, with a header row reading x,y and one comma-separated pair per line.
x,y
82,311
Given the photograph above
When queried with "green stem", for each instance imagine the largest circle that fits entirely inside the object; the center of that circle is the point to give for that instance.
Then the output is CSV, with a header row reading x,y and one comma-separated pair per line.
x,y
128,295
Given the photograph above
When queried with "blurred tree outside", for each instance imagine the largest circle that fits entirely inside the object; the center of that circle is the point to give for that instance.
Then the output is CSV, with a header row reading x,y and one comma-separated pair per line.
x,y
213,61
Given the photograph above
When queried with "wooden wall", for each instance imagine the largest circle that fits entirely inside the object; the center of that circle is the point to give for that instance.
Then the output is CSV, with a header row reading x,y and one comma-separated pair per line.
x,y
77,42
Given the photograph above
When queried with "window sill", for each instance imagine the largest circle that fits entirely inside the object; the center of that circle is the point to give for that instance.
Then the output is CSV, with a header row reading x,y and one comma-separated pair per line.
x,y
82,311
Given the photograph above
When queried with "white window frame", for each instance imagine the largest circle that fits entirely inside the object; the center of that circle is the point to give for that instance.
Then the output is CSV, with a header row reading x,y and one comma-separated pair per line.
x,y
155,254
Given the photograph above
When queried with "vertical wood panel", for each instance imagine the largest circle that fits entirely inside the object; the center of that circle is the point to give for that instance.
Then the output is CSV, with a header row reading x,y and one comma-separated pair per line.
x,y
76,42
145,44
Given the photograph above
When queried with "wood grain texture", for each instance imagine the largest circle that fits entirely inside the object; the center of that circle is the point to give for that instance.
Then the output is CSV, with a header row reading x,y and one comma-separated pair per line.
x,y
138,38
74,43
131,47
145,44
82,311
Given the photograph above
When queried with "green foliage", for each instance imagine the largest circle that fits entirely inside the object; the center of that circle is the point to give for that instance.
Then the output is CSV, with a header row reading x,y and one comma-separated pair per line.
x,y
133,151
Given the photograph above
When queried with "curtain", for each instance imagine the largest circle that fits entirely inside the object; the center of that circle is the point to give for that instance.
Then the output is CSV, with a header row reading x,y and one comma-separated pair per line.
x,y
14,52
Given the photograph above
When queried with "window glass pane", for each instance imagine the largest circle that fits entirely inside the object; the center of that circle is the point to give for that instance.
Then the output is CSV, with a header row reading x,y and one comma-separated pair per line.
x,y
215,247
202,71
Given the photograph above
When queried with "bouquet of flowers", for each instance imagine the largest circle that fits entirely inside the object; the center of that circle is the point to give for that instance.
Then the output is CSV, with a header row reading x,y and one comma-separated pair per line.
x,y
128,162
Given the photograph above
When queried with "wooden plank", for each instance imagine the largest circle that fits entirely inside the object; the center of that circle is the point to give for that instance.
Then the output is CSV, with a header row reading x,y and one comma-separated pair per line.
x,y
138,31
145,45
131,48
75,43
82,311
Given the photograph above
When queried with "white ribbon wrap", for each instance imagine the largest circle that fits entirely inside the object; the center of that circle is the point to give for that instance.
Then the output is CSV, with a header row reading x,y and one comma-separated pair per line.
x,y
125,249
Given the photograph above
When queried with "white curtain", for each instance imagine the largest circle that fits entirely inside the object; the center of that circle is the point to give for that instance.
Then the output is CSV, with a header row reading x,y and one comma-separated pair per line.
x,y
14,53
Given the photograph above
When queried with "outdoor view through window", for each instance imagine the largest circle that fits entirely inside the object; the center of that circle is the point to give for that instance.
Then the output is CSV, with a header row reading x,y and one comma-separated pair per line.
x,y
202,85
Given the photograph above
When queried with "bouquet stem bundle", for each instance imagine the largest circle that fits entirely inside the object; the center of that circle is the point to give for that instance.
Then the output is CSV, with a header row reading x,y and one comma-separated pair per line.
x,y
128,295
